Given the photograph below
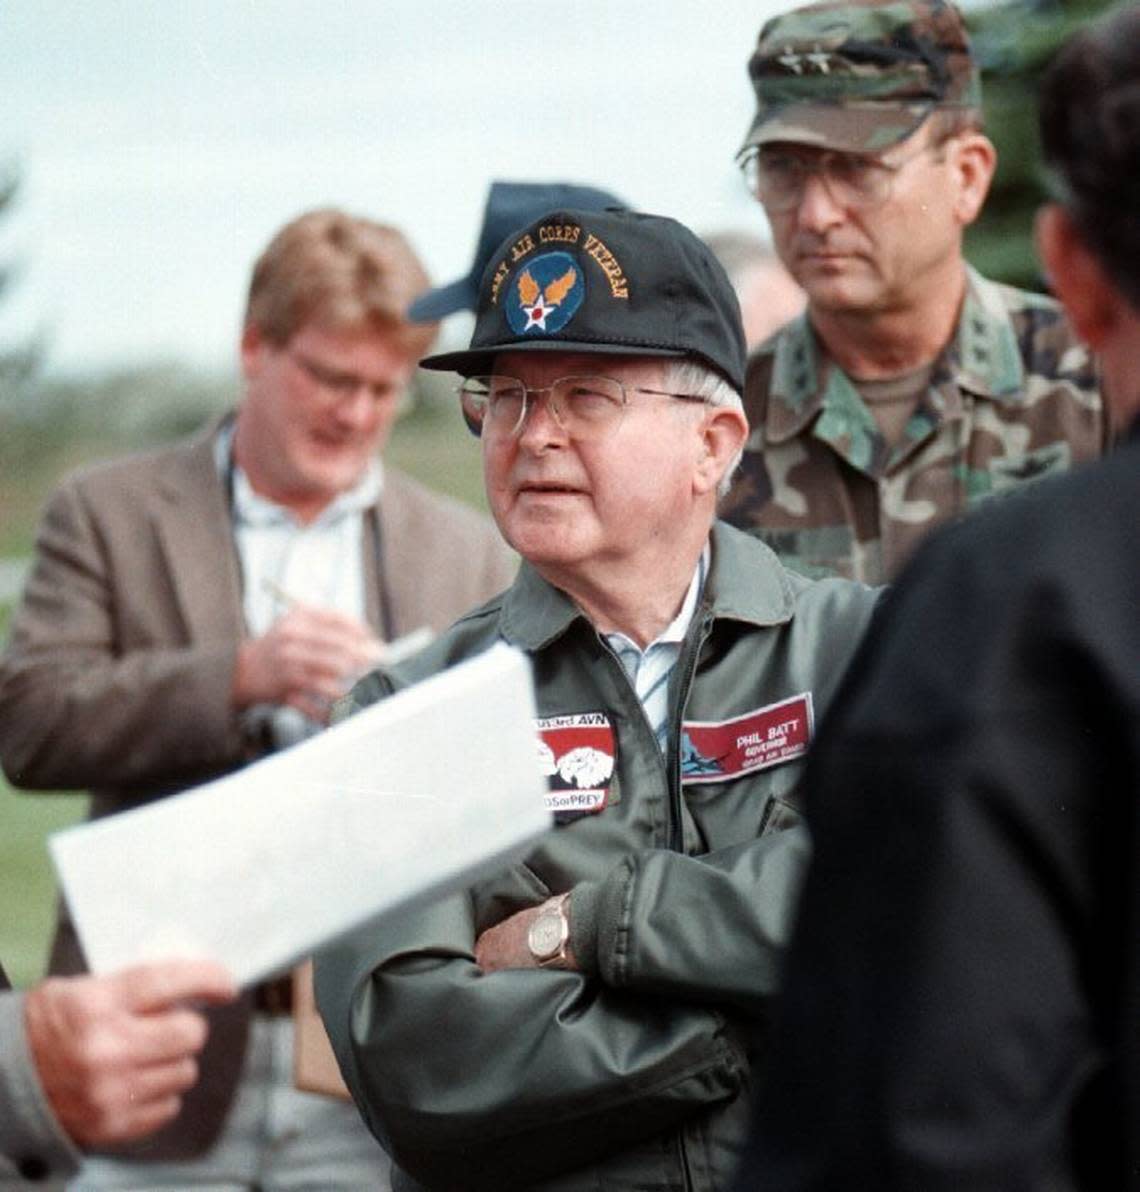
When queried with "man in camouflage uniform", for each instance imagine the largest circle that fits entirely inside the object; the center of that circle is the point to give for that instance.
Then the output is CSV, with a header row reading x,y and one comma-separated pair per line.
x,y
912,388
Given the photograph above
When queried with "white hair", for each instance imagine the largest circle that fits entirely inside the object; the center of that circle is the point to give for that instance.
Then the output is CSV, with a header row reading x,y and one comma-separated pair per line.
x,y
697,379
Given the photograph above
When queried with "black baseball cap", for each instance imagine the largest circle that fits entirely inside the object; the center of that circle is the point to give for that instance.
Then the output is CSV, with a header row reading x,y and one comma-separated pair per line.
x,y
618,283
509,206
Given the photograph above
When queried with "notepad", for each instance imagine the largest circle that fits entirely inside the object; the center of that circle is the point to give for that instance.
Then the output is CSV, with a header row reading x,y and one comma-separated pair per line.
x,y
408,799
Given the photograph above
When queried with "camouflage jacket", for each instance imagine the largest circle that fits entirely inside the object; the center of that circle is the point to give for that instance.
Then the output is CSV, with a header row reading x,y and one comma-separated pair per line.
x,y
1013,397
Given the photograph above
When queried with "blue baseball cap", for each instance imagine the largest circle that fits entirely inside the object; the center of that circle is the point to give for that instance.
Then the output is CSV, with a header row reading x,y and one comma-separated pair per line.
x,y
510,205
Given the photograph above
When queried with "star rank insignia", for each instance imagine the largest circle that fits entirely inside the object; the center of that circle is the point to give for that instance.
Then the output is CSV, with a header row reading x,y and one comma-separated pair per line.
x,y
817,59
820,59
793,61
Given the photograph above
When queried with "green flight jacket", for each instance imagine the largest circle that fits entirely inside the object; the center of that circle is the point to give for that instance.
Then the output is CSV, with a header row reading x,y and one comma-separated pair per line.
x,y
635,1072
1013,397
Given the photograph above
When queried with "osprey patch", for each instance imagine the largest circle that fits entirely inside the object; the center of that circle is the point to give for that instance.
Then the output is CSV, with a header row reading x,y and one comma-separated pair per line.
x,y
576,753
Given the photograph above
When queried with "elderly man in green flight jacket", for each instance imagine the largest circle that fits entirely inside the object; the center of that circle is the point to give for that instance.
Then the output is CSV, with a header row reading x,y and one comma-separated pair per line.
x,y
589,1018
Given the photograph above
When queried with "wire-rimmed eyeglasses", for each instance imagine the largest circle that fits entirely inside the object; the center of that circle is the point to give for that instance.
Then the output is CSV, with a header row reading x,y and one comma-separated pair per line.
x,y
338,384
584,407
777,175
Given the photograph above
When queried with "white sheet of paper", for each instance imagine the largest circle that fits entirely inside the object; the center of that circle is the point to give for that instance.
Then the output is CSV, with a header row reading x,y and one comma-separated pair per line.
x,y
415,795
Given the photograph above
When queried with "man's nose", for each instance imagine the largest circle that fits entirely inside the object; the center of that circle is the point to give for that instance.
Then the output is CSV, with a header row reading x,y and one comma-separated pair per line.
x,y
358,408
817,210
540,427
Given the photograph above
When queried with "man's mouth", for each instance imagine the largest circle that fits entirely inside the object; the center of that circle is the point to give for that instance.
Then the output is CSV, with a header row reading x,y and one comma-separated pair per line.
x,y
543,487
822,252
331,440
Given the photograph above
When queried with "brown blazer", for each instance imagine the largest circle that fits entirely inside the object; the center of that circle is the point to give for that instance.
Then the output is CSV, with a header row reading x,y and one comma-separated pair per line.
x,y
117,673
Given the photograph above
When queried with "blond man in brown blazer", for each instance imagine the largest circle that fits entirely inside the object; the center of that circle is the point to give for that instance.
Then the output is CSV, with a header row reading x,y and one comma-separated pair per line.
x,y
192,608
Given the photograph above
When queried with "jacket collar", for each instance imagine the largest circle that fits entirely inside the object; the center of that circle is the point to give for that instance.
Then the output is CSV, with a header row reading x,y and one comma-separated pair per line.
x,y
982,358
745,583
192,521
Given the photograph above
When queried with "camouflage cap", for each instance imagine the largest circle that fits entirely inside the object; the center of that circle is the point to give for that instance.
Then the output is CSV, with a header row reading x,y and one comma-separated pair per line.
x,y
859,76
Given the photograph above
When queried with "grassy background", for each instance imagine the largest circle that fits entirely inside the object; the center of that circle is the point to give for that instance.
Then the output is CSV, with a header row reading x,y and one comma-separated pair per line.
x,y
430,442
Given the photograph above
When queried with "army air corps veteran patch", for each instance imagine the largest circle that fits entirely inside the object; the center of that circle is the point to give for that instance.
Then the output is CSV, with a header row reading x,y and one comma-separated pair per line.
x,y
545,295
717,751
576,753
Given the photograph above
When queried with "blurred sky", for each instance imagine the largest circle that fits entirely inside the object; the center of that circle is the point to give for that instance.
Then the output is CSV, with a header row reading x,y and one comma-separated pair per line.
x,y
162,142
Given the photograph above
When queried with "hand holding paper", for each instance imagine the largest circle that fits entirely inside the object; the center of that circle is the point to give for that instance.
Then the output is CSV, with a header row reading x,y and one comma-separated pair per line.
x,y
114,1054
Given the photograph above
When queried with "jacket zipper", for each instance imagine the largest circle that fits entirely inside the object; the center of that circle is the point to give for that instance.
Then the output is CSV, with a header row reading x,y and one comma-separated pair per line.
x,y
689,662
672,764
637,704
677,843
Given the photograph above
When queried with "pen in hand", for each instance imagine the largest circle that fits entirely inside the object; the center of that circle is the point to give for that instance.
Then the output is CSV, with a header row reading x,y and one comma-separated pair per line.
x,y
278,592
388,652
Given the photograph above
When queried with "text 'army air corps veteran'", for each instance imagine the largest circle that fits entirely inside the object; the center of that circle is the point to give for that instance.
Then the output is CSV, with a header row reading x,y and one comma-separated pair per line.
x,y
576,753
545,294
561,284
715,751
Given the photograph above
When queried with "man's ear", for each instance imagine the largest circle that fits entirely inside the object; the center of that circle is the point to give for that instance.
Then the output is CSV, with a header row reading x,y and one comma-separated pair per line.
x,y
1076,276
253,345
974,160
723,433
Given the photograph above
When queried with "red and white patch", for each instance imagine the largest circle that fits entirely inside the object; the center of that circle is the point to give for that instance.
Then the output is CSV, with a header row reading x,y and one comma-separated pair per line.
x,y
714,751
576,752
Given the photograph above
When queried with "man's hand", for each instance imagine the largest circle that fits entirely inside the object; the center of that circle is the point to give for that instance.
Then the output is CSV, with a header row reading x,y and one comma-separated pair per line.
x,y
115,1053
504,946
307,659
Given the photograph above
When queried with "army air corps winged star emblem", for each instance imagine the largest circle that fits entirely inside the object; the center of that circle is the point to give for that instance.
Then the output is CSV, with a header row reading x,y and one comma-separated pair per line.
x,y
546,294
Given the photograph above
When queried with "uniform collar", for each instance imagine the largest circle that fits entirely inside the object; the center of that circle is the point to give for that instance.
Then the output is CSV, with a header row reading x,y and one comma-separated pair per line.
x,y
799,385
746,582
982,358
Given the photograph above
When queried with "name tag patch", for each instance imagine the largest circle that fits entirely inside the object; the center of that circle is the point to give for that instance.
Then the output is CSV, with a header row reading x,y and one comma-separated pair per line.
x,y
713,751
576,753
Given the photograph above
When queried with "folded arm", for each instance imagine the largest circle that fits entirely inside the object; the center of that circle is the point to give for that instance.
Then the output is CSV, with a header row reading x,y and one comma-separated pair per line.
x,y
710,928
554,1063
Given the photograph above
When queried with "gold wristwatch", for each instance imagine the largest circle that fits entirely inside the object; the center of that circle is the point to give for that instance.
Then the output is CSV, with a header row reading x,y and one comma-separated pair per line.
x,y
549,933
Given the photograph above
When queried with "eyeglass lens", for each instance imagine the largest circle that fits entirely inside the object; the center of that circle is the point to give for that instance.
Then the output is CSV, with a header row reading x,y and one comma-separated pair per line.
x,y
583,406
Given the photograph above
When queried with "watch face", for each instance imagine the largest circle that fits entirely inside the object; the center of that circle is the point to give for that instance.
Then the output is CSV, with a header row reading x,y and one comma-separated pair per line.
x,y
545,935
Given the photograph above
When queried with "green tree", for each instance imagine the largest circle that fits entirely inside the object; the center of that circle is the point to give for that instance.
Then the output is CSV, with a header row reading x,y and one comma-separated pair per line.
x,y
1015,41
18,362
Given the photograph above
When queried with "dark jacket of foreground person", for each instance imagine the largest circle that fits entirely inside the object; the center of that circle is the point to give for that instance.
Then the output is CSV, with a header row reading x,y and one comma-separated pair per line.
x,y
962,1007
